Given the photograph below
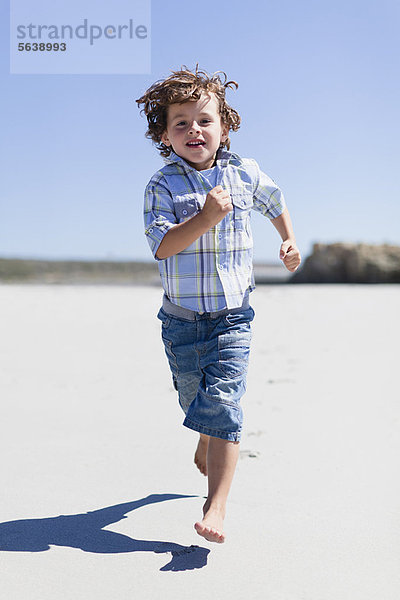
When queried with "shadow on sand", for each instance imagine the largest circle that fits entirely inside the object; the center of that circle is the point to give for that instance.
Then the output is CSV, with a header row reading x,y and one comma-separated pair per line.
x,y
85,531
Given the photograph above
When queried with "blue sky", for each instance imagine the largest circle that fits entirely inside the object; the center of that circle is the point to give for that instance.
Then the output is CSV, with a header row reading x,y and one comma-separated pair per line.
x,y
319,99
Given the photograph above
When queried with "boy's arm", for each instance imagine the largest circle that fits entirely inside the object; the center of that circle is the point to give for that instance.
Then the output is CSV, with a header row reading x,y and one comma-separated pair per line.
x,y
269,201
289,252
180,236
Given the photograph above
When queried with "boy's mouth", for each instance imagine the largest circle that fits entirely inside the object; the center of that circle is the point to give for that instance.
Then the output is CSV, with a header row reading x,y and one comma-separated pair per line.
x,y
195,143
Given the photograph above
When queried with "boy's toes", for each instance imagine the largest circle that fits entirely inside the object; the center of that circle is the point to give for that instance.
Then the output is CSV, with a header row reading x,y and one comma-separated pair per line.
x,y
217,536
209,533
201,466
199,527
200,456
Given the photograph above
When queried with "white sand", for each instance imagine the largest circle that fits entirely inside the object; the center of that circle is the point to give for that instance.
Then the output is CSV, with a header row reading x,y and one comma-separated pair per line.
x,y
89,420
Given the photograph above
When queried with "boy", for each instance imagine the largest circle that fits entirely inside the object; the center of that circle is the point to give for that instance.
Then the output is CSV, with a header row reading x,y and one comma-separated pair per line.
x,y
196,215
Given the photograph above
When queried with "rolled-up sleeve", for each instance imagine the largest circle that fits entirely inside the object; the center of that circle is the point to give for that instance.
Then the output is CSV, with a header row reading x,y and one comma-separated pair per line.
x,y
268,198
159,215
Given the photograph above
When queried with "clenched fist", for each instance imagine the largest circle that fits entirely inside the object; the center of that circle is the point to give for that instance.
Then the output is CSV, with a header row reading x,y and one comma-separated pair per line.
x,y
217,205
290,255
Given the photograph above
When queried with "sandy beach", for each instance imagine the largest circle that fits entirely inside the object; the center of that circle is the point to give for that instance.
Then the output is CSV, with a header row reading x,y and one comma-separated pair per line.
x,y
100,492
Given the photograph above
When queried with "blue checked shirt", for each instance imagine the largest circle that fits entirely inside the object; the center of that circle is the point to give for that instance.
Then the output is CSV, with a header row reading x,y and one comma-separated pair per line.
x,y
216,270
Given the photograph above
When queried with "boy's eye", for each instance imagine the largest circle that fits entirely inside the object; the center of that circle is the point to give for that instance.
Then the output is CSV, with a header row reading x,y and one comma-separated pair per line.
x,y
183,123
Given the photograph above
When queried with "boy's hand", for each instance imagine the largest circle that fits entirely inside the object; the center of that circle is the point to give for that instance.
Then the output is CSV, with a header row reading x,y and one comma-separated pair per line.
x,y
217,206
290,255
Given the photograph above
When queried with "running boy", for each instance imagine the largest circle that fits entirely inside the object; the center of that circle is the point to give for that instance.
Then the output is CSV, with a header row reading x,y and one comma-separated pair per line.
x,y
197,223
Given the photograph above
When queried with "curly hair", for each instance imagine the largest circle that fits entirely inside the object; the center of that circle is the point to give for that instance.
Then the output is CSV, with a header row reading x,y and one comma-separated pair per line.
x,y
182,86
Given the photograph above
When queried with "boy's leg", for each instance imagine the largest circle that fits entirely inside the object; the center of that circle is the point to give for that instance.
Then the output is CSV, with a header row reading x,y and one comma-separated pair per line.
x,y
216,408
222,457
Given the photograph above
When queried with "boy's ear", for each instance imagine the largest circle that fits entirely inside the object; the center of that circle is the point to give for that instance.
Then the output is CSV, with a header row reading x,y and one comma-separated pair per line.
x,y
224,133
165,139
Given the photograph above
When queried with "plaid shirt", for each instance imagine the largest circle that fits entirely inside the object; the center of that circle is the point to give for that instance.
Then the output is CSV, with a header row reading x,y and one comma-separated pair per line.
x,y
216,270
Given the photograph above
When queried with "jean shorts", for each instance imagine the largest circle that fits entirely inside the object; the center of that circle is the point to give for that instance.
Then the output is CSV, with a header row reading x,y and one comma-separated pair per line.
x,y
208,355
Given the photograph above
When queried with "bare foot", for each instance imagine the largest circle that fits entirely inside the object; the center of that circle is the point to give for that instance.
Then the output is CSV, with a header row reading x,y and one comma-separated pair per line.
x,y
200,457
211,527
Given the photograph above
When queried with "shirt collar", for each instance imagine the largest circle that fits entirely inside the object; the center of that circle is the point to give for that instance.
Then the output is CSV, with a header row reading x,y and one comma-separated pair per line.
x,y
223,157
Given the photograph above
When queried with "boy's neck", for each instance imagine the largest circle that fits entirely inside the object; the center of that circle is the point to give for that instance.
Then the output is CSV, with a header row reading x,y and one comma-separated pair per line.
x,y
212,163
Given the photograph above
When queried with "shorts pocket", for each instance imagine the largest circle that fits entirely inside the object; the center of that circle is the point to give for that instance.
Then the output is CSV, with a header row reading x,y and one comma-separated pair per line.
x,y
171,357
239,318
164,318
234,351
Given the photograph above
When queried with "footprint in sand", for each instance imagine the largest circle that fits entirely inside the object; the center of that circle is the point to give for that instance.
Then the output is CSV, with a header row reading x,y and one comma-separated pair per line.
x,y
249,454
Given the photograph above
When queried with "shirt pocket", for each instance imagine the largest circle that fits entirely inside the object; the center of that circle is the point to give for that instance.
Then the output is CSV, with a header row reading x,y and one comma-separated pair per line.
x,y
242,204
185,208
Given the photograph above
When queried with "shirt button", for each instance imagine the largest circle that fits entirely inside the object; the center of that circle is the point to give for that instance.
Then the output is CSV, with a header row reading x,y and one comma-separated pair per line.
x,y
184,212
150,231
220,236
243,202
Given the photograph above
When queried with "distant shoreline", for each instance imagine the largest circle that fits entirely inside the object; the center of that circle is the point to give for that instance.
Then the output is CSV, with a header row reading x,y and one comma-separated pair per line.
x,y
106,272
339,262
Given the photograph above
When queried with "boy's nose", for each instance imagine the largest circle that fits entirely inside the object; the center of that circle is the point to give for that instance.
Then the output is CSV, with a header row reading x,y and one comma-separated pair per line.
x,y
194,127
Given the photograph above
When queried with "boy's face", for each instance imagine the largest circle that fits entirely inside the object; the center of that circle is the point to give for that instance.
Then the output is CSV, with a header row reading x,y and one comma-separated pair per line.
x,y
195,130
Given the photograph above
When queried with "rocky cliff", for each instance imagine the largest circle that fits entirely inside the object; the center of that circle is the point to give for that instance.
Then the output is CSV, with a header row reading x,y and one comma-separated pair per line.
x,y
350,263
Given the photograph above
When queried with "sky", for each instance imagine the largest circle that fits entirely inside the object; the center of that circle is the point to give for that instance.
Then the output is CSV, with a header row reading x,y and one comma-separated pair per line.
x,y
319,98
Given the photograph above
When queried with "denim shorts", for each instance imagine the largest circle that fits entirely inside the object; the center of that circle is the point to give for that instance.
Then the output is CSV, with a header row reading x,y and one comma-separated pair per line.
x,y
208,356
